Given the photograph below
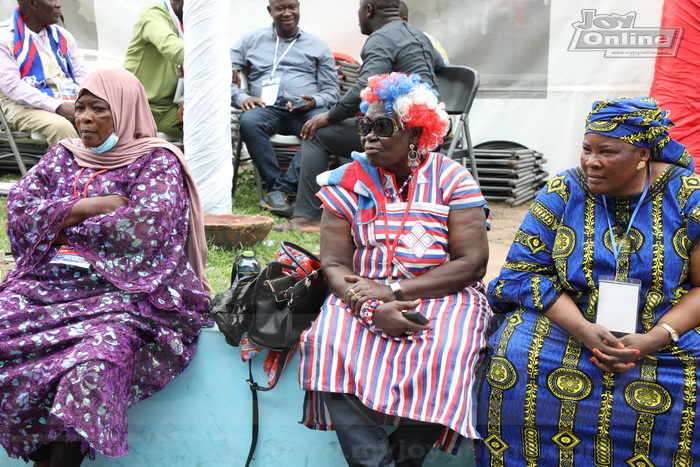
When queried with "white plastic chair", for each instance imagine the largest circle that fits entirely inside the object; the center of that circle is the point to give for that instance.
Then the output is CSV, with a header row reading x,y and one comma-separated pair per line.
x,y
98,60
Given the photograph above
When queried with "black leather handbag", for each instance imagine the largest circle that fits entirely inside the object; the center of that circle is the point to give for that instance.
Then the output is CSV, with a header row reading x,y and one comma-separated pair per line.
x,y
275,306
285,305
286,298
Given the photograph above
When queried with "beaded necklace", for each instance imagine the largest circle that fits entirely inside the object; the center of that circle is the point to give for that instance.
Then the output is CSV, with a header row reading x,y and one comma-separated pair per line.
x,y
387,191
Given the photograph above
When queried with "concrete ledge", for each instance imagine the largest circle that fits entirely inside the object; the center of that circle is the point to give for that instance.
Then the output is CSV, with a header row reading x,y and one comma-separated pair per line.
x,y
204,418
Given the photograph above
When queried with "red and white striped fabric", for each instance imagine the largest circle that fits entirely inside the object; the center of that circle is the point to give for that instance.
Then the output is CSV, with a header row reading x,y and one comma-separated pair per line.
x,y
429,376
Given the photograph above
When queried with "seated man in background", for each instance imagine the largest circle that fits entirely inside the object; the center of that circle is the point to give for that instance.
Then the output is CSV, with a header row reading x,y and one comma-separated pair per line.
x,y
40,71
291,77
392,45
155,56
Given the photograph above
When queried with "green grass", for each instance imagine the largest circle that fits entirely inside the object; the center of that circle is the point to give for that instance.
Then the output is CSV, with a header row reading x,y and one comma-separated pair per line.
x,y
220,261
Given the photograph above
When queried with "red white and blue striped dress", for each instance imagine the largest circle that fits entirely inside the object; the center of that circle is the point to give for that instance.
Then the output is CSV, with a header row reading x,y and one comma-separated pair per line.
x,y
429,376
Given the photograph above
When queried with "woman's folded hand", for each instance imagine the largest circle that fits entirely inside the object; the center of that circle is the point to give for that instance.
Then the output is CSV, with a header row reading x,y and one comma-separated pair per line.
x,y
360,290
609,353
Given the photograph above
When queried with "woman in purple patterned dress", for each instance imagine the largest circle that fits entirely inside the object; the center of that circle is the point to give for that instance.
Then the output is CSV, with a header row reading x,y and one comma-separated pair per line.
x,y
108,294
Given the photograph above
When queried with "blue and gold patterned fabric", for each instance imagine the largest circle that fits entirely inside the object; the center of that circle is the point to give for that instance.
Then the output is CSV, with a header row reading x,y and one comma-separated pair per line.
x,y
543,401
640,122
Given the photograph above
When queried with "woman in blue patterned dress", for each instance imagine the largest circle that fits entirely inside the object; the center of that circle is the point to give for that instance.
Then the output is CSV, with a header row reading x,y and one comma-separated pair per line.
x,y
562,388
108,293
403,229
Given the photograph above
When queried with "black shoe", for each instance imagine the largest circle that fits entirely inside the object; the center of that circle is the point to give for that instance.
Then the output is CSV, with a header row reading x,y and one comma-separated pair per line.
x,y
279,203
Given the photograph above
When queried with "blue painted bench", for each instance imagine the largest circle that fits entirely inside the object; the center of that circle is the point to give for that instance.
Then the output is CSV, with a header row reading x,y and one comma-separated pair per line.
x,y
204,418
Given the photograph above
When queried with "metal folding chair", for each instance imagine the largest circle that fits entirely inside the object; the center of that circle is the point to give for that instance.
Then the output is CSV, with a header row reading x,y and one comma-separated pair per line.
x,y
19,148
458,86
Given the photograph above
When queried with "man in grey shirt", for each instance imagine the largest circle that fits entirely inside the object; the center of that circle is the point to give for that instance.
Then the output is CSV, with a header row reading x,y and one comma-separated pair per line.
x,y
392,45
291,77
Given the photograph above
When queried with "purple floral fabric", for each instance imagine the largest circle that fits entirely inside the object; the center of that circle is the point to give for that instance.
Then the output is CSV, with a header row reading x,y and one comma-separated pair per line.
x,y
78,347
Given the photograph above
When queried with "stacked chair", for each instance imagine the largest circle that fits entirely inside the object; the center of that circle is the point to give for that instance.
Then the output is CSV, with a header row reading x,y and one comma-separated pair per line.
x,y
348,71
509,171
505,171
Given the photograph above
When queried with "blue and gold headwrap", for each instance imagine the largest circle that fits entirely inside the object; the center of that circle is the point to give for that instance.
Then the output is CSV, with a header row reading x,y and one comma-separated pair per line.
x,y
640,122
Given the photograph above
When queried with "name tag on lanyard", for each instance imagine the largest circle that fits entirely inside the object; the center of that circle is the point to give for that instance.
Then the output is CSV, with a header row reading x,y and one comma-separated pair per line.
x,y
67,89
67,255
618,304
271,86
270,90
618,300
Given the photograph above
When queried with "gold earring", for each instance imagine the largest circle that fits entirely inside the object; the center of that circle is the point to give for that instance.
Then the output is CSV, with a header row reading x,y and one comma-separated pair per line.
x,y
641,165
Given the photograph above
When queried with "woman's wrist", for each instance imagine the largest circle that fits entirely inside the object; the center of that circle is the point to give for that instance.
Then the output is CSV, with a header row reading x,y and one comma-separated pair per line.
x,y
659,337
571,320
581,329
395,290
367,311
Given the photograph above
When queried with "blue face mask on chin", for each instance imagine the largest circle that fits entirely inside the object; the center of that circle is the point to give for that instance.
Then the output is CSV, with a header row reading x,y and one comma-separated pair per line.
x,y
109,143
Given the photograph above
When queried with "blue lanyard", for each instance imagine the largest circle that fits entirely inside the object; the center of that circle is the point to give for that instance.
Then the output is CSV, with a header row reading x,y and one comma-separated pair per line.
x,y
618,248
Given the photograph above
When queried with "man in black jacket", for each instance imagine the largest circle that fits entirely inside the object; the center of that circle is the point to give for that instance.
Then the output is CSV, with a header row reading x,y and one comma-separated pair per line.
x,y
392,45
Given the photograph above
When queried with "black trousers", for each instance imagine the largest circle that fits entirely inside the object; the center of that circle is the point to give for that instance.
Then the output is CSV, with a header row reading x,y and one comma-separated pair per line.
x,y
365,443
339,139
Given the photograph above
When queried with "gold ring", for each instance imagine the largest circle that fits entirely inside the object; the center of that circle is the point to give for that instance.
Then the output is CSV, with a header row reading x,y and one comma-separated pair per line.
x,y
352,291
357,295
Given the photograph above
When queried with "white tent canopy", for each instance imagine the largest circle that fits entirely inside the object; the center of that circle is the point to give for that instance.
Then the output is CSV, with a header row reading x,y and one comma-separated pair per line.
x,y
535,91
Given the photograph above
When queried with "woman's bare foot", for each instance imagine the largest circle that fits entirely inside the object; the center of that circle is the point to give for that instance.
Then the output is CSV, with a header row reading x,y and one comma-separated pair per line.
x,y
300,224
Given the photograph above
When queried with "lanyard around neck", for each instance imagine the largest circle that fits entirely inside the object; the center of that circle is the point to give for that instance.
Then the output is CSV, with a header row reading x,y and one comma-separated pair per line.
x,y
275,62
176,21
616,249
391,246
92,177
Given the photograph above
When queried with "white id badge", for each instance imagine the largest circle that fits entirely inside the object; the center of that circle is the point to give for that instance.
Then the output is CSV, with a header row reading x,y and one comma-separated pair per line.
x,y
618,304
67,89
67,255
270,89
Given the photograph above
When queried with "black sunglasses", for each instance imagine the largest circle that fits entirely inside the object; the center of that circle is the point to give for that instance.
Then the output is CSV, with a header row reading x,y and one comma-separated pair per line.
x,y
382,127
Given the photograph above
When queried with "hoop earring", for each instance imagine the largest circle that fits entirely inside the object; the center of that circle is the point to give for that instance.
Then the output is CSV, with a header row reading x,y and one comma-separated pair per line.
x,y
412,156
641,165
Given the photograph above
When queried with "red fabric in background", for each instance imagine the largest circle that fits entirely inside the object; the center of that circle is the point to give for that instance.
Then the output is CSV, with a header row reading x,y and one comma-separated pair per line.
x,y
676,82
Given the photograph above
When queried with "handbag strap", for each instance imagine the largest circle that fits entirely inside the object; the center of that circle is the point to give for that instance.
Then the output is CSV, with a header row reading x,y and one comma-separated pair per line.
x,y
254,388
287,245
256,418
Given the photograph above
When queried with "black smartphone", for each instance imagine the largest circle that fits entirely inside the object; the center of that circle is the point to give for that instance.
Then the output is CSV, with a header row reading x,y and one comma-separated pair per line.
x,y
415,317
